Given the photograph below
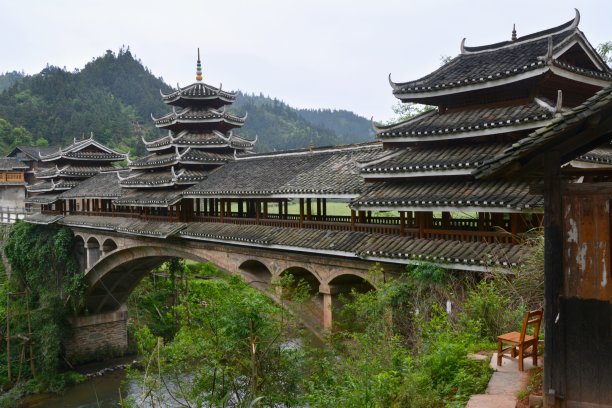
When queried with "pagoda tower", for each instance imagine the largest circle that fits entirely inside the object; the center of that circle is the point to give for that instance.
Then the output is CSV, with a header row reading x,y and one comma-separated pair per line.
x,y
65,168
482,101
200,138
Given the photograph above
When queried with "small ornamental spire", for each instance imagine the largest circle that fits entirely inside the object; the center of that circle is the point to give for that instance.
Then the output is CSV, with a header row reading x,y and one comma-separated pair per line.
x,y
199,68
513,32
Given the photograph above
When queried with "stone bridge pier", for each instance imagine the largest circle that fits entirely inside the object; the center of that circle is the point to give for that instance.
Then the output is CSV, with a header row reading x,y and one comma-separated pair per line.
x,y
114,264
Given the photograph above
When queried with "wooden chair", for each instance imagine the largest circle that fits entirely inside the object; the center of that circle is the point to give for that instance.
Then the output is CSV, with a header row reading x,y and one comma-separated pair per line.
x,y
521,342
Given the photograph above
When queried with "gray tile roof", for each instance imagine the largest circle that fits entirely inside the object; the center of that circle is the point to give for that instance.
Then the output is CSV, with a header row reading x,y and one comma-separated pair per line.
x,y
52,186
554,135
12,163
149,197
45,198
210,139
198,115
452,192
600,156
33,151
72,171
45,219
476,65
124,225
454,254
448,157
333,171
361,244
432,124
103,185
199,91
163,178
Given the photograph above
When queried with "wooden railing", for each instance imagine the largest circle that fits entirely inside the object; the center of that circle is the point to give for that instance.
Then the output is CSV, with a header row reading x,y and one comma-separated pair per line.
x,y
373,225
12,178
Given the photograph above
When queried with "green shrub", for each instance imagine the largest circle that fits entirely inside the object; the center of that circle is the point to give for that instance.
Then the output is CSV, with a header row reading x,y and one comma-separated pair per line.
x,y
491,310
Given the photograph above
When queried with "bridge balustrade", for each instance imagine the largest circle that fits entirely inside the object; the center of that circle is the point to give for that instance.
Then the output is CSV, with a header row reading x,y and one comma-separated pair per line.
x,y
471,230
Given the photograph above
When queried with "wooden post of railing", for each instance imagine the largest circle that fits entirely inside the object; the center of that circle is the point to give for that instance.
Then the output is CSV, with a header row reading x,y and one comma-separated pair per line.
x,y
402,223
514,221
353,226
362,217
301,213
421,221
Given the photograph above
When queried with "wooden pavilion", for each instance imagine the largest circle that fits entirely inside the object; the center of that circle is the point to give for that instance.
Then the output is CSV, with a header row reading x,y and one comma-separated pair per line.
x,y
578,241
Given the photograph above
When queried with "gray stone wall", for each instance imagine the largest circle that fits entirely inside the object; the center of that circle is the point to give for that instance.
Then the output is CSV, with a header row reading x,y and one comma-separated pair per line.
x,y
97,337
12,196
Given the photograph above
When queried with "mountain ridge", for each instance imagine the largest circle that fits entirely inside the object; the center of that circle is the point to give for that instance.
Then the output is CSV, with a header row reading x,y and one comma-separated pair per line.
x,y
115,92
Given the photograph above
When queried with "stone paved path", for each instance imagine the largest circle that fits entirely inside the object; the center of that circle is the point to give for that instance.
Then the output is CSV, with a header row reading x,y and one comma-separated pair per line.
x,y
504,385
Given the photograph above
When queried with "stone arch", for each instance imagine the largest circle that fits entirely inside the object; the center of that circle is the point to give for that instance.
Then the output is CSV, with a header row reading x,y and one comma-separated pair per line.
x,y
113,278
345,282
93,251
256,272
339,289
80,253
108,246
302,274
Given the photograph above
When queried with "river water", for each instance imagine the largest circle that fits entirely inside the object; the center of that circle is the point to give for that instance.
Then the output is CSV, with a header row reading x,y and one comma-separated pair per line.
x,y
100,391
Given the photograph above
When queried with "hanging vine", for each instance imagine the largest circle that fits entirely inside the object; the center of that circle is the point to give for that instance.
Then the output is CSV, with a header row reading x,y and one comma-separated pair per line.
x,y
44,266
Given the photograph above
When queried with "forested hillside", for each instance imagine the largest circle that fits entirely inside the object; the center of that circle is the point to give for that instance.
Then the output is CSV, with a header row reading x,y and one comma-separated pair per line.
x,y
114,92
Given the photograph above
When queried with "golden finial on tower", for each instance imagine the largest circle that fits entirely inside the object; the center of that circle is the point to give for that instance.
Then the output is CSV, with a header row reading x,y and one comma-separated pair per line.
x,y
199,68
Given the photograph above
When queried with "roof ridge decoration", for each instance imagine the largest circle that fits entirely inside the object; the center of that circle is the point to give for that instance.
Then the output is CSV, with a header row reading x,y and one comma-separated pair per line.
x,y
567,26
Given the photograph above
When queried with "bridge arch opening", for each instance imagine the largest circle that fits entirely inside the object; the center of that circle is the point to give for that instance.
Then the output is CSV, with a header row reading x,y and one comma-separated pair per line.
x,y
302,276
342,290
256,272
93,251
108,246
79,251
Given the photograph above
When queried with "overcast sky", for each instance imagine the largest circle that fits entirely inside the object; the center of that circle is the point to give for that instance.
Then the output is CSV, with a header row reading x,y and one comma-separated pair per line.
x,y
311,53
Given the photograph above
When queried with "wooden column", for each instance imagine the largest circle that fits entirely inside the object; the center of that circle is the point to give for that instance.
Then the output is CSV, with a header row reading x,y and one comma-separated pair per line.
x,y
362,217
514,221
554,316
257,210
221,209
402,223
308,209
265,209
325,208
319,209
353,217
301,213
420,217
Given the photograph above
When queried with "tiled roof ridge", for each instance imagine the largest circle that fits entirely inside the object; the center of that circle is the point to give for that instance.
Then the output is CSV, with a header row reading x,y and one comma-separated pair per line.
x,y
76,146
316,150
569,25
198,89
540,137
534,111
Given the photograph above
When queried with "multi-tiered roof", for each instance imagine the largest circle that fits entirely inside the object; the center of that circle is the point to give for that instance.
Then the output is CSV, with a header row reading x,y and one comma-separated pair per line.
x,y
200,138
64,168
483,100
